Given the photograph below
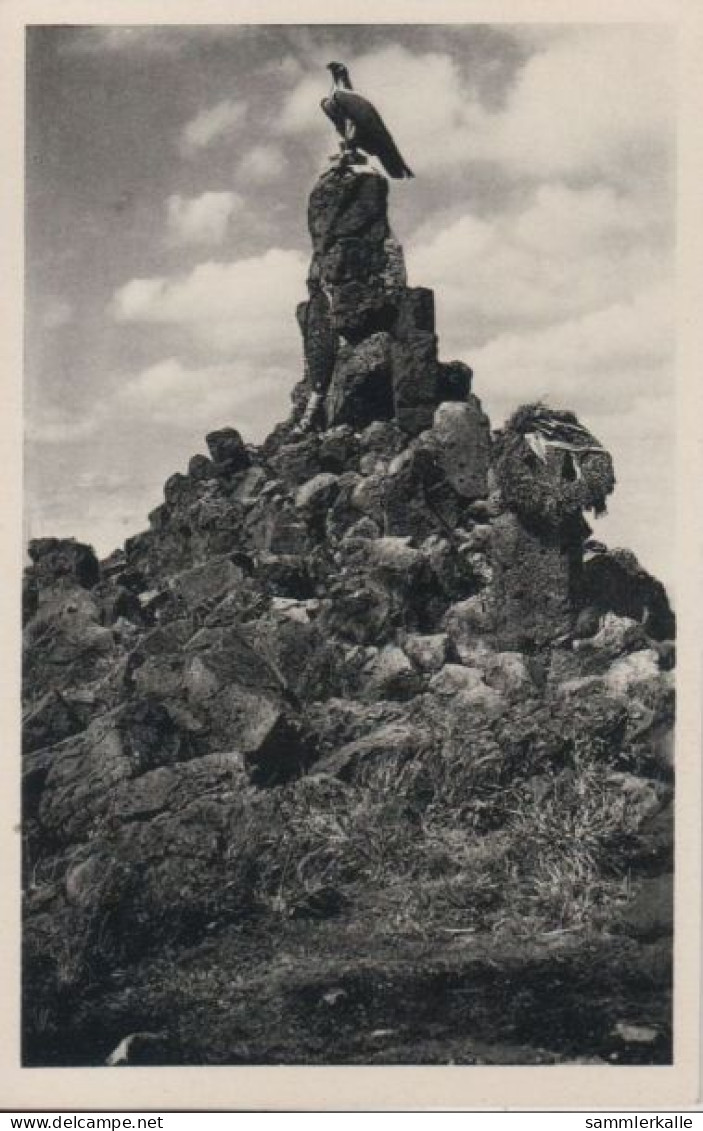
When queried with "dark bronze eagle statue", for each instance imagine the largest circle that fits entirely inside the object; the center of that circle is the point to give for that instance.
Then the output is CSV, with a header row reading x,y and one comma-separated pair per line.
x,y
360,124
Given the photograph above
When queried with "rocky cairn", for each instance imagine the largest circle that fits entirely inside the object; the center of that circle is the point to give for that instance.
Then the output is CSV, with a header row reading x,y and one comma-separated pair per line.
x,y
319,604
369,339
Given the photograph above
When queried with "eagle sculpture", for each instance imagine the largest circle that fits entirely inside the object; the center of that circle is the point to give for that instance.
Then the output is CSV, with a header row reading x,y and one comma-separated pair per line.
x,y
360,125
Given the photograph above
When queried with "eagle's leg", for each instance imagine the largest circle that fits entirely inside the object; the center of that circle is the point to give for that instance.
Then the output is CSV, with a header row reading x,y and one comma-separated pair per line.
x,y
350,154
342,158
348,144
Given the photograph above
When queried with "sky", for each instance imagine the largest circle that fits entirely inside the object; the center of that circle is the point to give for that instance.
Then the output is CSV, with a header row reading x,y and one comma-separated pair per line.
x,y
168,170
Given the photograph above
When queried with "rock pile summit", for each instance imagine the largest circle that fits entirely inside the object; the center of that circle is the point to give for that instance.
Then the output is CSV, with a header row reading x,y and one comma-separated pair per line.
x,y
366,592
369,339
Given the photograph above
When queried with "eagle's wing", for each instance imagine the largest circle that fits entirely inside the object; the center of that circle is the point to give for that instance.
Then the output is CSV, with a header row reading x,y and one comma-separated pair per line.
x,y
334,113
371,133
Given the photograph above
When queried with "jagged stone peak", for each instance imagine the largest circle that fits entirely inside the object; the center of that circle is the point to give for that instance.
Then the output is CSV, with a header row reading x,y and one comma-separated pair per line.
x,y
369,340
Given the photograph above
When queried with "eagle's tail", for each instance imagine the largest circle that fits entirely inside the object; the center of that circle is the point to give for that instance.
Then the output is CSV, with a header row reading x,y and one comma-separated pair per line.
x,y
395,166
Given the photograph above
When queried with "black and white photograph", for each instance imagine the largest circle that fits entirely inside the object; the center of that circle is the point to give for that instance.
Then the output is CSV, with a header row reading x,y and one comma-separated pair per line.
x,y
349,545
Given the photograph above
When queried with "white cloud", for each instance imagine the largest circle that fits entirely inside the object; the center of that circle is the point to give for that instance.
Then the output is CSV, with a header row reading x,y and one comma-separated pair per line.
x,y
301,110
246,307
262,163
103,514
593,100
96,479
568,298
198,399
210,124
99,479
288,68
602,361
587,100
201,219
565,253
642,512
116,39
57,313
60,431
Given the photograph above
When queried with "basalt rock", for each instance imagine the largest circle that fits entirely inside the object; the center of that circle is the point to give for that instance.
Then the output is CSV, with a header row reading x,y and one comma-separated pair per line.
x,y
532,594
52,719
550,468
368,339
361,388
463,439
339,449
121,745
614,580
63,558
64,643
454,381
227,449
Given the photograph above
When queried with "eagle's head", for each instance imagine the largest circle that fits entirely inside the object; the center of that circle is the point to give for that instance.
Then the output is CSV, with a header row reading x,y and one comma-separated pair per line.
x,y
340,74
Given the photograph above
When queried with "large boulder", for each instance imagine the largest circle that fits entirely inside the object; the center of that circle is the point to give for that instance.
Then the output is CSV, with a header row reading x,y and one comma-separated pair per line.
x,y
615,581
58,558
410,501
131,740
361,614
161,858
461,432
339,449
361,308
204,585
274,526
454,381
391,675
361,388
428,652
454,678
534,580
296,461
64,643
228,450
318,493
320,340
343,206
415,380
51,719
231,683
309,663
416,314
550,468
